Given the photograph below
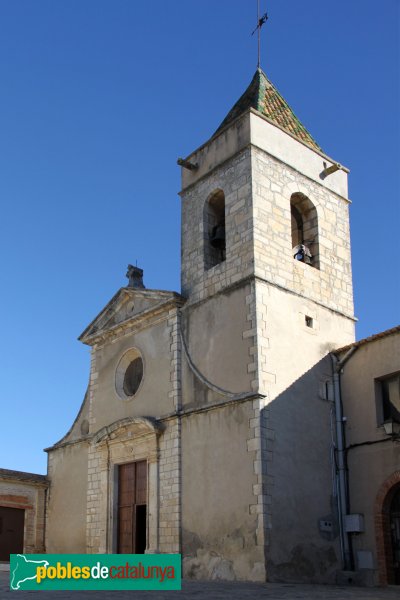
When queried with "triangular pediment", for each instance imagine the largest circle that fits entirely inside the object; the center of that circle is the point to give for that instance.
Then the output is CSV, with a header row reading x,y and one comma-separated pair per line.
x,y
127,306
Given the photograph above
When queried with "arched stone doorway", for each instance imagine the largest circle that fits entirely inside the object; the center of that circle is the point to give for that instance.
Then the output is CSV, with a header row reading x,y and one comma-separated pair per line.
x,y
116,453
387,527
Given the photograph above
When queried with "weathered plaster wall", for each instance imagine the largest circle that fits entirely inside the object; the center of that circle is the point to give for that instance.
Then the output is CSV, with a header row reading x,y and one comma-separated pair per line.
x,y
294,154
217,150
67,498
219,524
371,362
218,346
80,427
152,398
293,367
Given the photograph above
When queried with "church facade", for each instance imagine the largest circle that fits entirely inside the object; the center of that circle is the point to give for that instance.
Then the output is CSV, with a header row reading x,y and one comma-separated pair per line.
x,y
213,395
207,428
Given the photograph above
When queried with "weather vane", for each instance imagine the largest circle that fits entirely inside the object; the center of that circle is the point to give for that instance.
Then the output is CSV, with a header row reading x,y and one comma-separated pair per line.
x,y
260,22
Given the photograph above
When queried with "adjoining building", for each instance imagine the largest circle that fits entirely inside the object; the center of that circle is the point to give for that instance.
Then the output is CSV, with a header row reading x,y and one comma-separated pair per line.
x,y
213,424
370,387
22,513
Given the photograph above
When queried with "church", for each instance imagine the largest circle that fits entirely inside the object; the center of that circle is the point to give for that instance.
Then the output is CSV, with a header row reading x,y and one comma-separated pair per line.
x,y
215,420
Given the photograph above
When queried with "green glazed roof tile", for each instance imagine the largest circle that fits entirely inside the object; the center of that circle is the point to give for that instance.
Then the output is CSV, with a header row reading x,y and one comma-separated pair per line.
x,y
261,95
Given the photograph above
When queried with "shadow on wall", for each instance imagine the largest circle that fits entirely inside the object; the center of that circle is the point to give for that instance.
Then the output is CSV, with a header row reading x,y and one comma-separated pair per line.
x,y
298,499
302,526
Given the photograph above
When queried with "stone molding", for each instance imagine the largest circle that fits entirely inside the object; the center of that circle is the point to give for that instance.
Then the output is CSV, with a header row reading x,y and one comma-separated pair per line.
x,y
130,440
154,314
145,425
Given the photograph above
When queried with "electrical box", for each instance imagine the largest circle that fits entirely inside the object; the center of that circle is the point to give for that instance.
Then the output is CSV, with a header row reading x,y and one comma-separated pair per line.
x,y
365,559
355,523
326,525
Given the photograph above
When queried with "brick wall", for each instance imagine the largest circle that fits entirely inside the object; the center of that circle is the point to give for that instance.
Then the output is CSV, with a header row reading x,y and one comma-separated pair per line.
x,y
29,497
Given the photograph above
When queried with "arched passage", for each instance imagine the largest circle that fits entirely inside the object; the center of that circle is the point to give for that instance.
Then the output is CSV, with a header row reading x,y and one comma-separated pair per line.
x,y
387,529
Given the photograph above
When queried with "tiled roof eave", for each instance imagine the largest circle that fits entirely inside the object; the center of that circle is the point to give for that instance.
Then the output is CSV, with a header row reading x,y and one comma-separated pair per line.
x,y
367,340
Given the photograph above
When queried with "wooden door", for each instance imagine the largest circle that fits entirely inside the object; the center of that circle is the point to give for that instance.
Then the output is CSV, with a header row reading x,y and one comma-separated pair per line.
x,y
395,531
132,507
11,531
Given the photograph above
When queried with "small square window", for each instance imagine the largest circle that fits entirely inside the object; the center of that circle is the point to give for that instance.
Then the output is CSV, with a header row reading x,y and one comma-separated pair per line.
x,y
309,321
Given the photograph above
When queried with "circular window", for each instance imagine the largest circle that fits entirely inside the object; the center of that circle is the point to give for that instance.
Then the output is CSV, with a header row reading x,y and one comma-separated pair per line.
x,y
133,377
129,374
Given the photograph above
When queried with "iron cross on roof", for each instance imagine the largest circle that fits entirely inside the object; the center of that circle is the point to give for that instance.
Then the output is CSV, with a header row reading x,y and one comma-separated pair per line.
x,y
260,22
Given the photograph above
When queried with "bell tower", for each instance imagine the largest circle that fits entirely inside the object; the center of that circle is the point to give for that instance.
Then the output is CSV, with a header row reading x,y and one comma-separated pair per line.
x,y
266,270
261,198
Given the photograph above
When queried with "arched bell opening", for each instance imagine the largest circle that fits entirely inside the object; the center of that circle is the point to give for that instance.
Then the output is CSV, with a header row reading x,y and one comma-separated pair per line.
x,y
304,224
214,230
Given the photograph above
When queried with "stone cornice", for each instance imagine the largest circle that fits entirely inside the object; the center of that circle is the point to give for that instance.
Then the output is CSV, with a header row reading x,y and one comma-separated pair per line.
x,y
148,425
151,316
249,278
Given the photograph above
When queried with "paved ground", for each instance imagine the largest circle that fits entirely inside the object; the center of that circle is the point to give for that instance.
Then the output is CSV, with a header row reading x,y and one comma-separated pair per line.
x,y
216,591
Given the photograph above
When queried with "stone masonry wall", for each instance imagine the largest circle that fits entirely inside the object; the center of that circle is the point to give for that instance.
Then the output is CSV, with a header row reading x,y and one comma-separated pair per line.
x,y
170,487
234,179
127,334
257,189
273,185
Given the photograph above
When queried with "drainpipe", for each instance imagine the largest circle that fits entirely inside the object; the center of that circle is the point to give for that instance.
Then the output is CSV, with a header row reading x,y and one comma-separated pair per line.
x,y
337,366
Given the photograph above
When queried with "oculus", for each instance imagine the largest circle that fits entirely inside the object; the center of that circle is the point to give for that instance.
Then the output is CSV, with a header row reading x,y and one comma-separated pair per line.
x,y
129,374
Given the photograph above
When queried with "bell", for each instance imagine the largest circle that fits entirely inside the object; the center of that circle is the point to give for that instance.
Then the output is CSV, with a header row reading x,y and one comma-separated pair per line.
x,y
302,253
217,237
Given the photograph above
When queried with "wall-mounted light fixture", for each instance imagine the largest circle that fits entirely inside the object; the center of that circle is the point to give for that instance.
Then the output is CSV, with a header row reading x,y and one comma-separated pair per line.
x,y
392,428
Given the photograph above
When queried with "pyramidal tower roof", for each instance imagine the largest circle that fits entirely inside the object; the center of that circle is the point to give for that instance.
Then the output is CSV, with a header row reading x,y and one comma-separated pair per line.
x,y
262,96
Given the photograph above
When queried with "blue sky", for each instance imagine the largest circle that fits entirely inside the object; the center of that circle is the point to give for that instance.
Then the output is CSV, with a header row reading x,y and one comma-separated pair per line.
x,y
99,98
